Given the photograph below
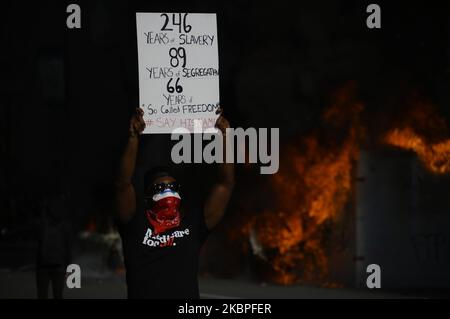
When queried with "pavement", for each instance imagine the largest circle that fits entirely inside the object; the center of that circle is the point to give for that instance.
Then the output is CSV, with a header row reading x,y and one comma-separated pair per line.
x,y
17,280
21,284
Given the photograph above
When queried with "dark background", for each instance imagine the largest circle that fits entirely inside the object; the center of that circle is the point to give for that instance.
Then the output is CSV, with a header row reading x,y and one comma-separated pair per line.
x,y
67,94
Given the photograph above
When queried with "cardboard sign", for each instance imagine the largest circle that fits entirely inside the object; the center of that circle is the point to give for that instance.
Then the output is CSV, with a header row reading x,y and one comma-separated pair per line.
x,y
178,70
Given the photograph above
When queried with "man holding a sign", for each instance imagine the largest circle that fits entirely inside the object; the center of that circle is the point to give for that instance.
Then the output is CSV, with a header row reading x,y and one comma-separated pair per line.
x,y
178,85
161,243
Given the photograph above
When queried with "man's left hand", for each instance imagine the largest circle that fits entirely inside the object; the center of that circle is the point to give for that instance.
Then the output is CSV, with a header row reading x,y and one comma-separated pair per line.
x,y
222,123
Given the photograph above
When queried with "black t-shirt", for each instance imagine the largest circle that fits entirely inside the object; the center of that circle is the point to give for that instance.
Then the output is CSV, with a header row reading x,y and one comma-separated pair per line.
x,y
163,265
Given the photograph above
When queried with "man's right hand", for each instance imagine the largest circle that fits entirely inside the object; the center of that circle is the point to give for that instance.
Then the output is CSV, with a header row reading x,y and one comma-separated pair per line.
x,y
137,124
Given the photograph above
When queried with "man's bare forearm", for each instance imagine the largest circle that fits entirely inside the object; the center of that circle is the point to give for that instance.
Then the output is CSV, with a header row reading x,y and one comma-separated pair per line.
x,y
128,162
226,173
125,193
219,197
226,170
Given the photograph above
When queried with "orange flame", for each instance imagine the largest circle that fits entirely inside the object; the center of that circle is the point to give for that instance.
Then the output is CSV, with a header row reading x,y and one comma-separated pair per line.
x,y
311,190
421,131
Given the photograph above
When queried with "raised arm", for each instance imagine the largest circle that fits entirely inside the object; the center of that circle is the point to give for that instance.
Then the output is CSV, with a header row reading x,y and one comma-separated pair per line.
x,y
219,197
125,196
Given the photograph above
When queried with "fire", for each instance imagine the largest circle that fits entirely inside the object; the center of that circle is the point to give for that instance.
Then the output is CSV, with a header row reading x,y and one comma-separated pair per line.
x,y
436,157
293,237
423,132
311,188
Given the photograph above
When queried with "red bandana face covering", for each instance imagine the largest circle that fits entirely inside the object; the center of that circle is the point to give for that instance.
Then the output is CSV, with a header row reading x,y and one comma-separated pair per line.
x,y
164,213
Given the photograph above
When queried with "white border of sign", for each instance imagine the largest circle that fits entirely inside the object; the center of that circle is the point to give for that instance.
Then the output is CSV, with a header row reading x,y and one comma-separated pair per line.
x,y
199,98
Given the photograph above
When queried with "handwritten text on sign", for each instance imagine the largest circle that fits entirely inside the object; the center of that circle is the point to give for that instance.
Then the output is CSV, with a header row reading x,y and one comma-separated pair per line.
x,y
178,70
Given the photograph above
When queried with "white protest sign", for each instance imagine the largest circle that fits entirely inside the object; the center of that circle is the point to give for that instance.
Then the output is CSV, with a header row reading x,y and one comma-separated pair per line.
x,y
178,70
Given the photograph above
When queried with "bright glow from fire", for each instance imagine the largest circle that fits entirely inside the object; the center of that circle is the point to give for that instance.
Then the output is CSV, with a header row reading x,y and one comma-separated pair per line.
x,y
424,132
294,238
435,157
311,189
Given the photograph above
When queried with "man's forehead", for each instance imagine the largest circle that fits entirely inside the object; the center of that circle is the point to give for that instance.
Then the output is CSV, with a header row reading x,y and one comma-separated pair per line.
x,y
164,179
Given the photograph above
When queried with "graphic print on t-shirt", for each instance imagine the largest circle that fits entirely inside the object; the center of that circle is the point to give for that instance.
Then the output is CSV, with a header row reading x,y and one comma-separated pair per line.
x,y
158,240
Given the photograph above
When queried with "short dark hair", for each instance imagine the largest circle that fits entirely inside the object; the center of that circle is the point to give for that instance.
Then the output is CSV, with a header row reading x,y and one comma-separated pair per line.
x,y
156,172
